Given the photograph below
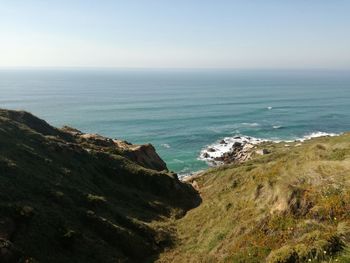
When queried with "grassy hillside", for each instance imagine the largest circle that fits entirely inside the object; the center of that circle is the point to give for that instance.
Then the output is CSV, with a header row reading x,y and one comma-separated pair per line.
x,y
292,205
65,198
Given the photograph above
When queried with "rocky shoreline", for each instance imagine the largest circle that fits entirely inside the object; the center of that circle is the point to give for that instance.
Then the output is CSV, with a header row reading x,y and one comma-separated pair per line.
x,y
229,150
239,149
232,150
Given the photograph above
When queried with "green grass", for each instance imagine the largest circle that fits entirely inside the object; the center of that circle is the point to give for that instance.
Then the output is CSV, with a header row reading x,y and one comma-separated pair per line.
x,y
292,205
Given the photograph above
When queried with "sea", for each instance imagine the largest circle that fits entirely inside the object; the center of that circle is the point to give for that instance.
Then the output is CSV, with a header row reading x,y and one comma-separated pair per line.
x,y
182,111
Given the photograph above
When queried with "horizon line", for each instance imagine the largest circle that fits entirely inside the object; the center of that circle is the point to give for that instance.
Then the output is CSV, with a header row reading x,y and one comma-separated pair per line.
x,y
171,68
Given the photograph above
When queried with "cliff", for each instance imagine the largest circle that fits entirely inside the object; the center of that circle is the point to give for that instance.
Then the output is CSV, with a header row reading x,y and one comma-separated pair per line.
x,y
144,155
66,196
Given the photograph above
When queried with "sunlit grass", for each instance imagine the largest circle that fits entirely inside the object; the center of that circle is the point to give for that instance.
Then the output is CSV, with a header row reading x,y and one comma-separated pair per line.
x,y
292,205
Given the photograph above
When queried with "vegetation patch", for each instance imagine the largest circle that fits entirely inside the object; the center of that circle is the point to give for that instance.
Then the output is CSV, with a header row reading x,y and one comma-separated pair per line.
x,y
289,206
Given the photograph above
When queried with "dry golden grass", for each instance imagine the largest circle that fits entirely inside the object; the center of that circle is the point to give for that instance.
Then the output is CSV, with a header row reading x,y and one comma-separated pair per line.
x,y
292,205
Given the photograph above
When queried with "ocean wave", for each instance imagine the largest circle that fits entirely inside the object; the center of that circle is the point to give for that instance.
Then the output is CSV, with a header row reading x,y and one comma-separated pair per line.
x,y
165,145
316,135
277,126
177,161
251,124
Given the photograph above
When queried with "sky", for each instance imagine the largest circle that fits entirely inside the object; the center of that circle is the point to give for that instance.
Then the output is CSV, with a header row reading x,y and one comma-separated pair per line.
x,y
175,33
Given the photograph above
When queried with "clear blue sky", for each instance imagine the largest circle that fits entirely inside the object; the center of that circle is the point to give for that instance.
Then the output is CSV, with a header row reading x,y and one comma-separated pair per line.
x,y
175,33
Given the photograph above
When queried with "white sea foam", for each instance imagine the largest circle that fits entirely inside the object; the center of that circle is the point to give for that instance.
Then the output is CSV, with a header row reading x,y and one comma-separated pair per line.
x,y
269,108
311,136
316,135
165,145
277,126
251,124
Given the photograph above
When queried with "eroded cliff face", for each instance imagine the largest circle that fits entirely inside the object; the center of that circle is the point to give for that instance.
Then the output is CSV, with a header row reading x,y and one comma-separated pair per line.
x,y
66,196
145,154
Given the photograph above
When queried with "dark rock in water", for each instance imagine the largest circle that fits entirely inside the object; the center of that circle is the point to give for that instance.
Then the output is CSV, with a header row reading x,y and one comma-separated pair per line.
x,y
206,155
223,142
211,150
237,144
237,137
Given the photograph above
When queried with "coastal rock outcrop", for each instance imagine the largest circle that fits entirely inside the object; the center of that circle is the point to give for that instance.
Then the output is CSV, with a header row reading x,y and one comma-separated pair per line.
x,y
144,154
231,150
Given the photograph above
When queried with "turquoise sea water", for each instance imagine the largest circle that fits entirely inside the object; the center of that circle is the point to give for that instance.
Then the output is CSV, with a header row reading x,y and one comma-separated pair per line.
x,y
182,111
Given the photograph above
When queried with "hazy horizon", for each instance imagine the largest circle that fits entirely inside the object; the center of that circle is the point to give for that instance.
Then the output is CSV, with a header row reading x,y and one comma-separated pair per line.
x,y
181,35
